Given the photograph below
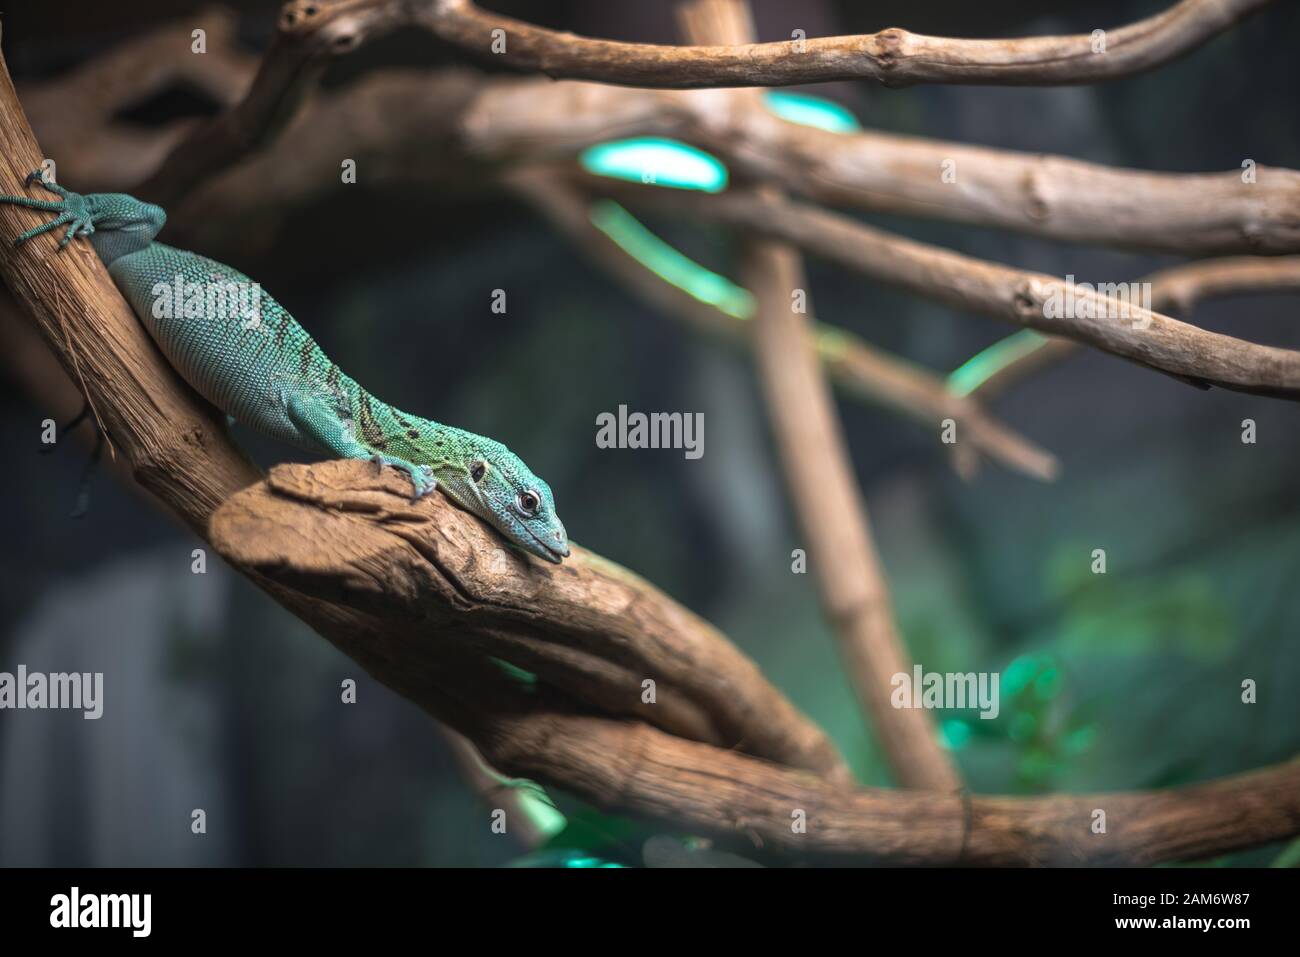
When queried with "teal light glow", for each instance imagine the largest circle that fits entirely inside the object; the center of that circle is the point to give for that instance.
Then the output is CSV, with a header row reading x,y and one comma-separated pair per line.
x,y
667,263
1290,856
661,162
1047,684
1023,727
546,818
982,366
1080,739
955,734
811,111
1019,673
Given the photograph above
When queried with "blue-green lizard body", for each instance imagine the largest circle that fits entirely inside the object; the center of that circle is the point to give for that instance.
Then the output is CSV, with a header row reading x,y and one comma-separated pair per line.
x,y
244,353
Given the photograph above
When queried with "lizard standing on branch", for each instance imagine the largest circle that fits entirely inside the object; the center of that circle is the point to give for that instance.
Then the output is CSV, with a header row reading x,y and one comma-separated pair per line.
x,y
263,369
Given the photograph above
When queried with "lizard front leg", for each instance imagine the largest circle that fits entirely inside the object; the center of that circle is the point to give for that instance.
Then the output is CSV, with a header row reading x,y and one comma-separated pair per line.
x,y
316,418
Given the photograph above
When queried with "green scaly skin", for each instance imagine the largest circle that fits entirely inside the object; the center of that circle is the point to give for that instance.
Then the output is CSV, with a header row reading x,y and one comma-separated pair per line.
x,y
263,369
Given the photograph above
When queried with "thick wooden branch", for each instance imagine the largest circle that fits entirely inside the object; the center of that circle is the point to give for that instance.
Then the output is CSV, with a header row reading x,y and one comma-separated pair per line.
x,y
732,797
1039,194
438,576
1122,328
892,57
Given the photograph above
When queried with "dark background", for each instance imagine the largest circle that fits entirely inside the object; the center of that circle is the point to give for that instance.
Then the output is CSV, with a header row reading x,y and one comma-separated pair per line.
x,y
216,698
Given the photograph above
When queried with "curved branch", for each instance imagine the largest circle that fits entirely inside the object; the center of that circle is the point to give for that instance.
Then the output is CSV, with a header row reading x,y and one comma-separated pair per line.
x,y
892,57
1178,289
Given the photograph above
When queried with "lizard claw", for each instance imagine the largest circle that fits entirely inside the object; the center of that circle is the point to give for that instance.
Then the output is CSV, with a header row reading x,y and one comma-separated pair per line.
x,y
38,176
74,211
421,475
424,482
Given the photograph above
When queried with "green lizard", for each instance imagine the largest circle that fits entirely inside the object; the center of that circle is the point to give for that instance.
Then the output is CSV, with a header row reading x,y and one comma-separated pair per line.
x,y
262,368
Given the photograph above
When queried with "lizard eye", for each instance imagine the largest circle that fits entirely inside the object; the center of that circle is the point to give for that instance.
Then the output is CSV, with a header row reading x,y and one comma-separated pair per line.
x,y
527,503
477,471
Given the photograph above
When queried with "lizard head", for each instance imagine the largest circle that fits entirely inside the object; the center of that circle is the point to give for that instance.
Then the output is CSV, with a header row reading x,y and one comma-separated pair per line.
x,y
486,478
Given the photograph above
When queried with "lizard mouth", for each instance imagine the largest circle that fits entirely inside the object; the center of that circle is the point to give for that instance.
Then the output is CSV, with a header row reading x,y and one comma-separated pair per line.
x,y
548,552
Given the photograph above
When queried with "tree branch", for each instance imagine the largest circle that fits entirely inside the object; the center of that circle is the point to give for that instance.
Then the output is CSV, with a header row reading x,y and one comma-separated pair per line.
x,y
438,576
1175,290
892,57
731,797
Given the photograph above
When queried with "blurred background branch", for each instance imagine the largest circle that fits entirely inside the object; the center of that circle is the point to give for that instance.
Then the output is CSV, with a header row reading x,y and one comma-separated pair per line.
x,y
817,467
